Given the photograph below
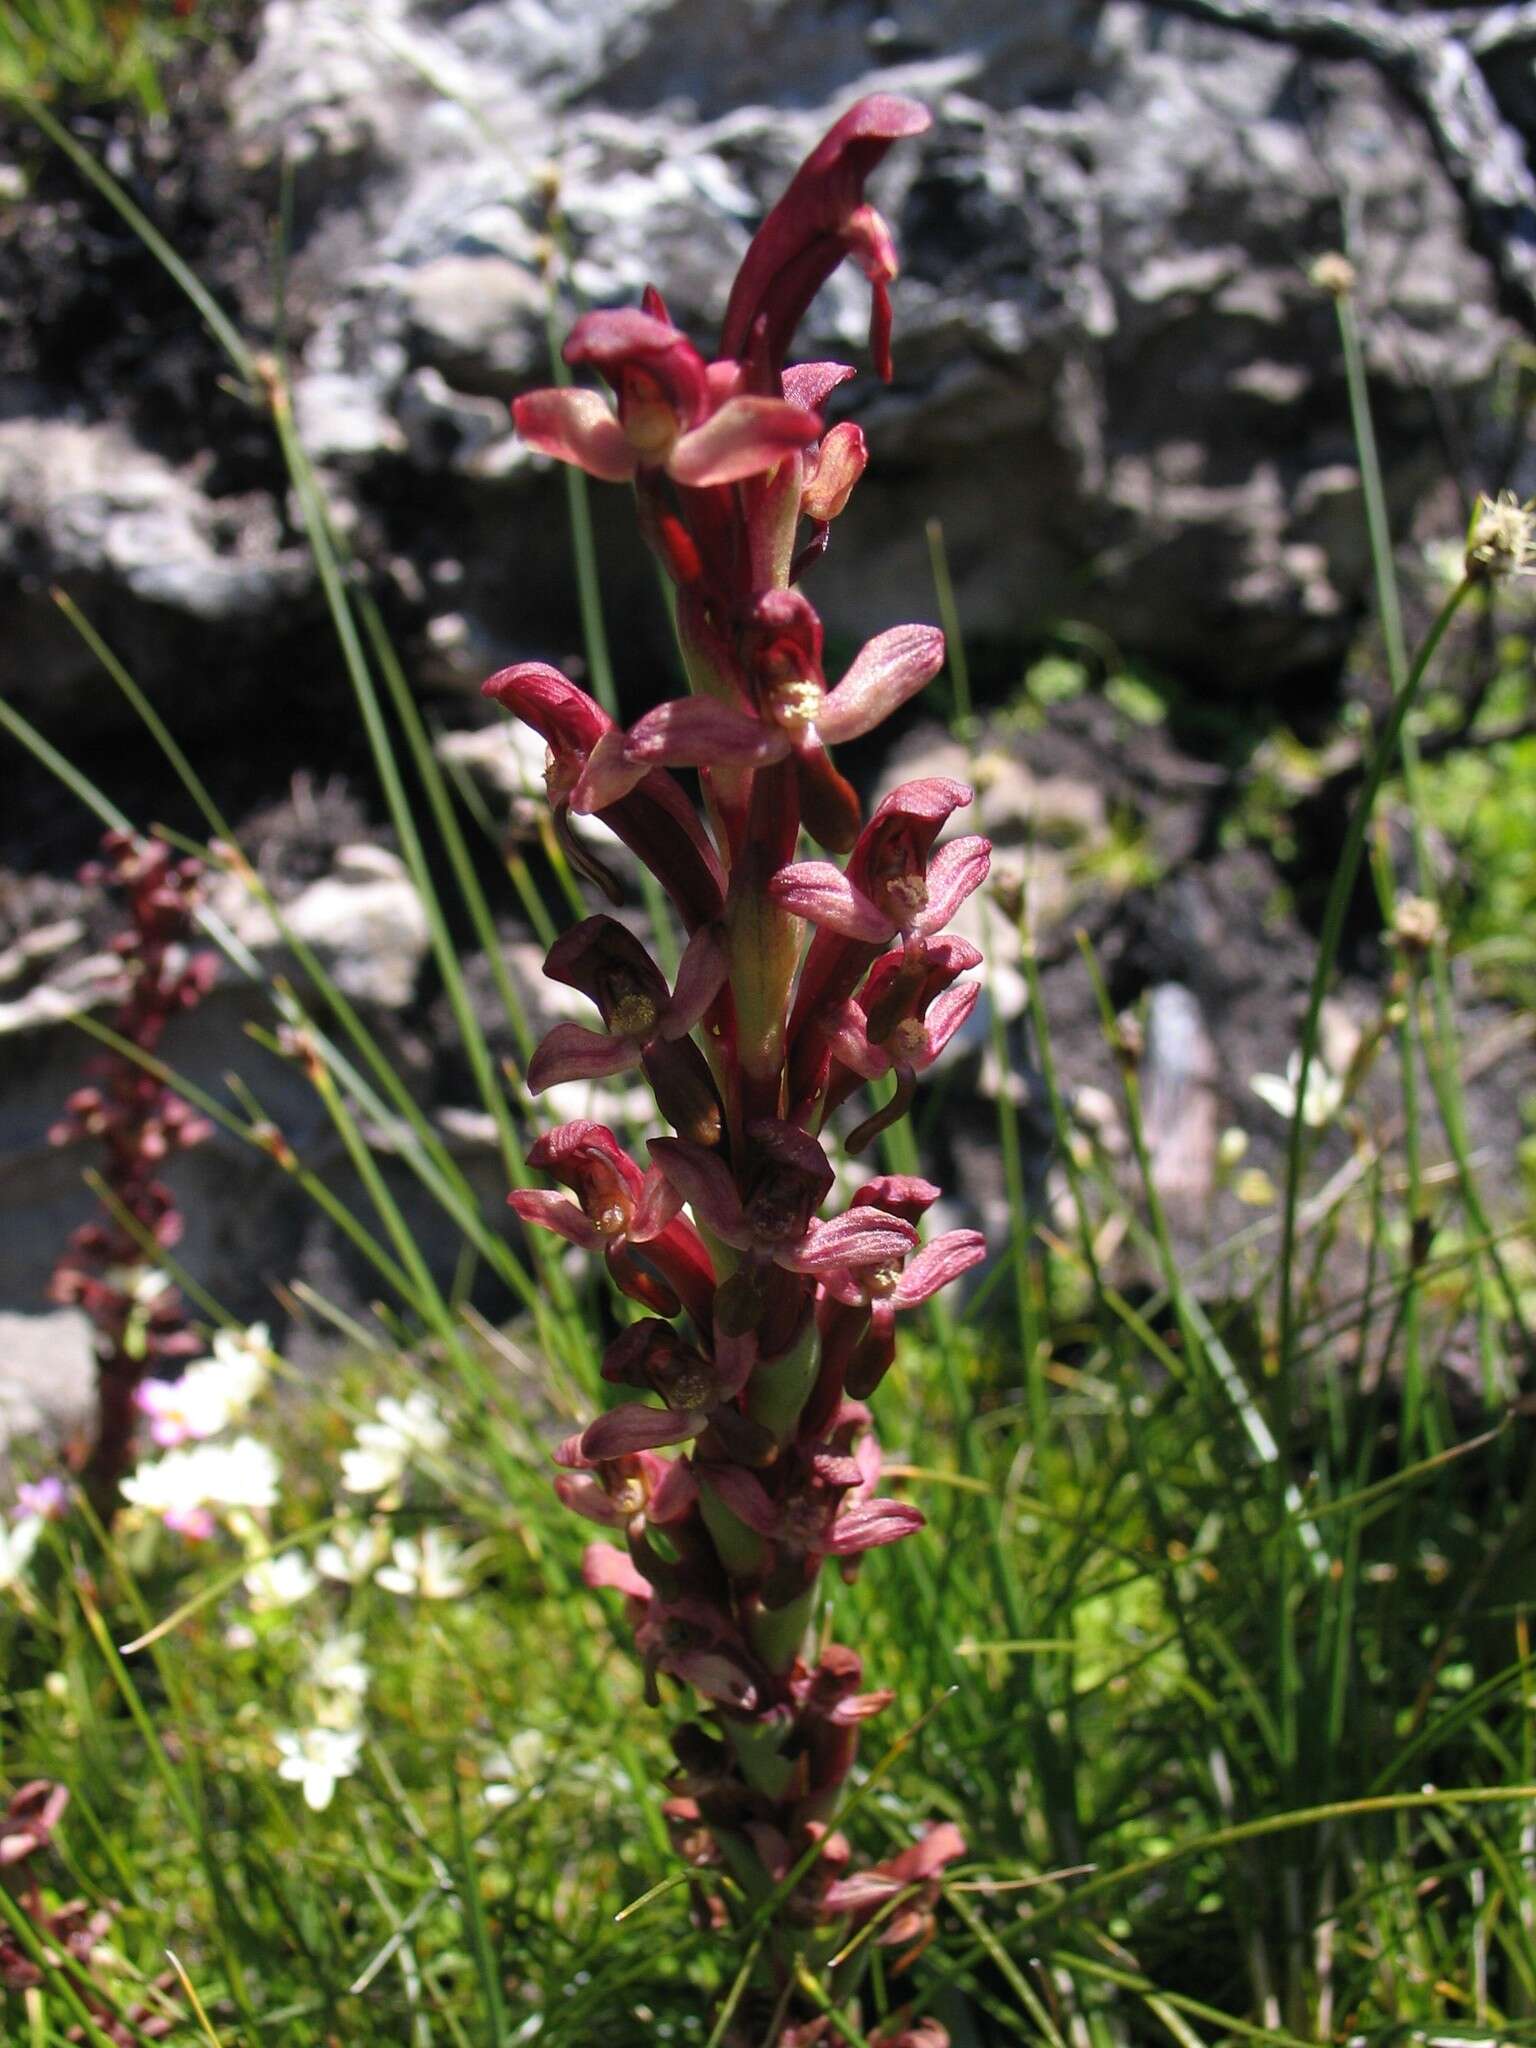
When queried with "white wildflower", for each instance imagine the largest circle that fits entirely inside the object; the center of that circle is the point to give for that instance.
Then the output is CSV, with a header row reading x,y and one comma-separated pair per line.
x,y
185,1484
245,1351
371,1471
212,1393
353,1552
1324,1096
428,1570
318,1759
17,1544
280,1581
337,1665
516,1769
142,1284
399,1432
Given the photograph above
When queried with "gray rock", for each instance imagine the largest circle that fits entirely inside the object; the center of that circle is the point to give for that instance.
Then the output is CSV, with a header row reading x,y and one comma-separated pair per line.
x,y
505,762
474,317
47,1378
1180,1106
87,501
364,921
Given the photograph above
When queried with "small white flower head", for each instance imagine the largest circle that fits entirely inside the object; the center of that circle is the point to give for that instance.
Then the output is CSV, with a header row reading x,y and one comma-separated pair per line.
x,y
185,1485
17,1544
233,1347
371,1471
515,1770
353,1552
428,1570
1334,274
400,1432
280,1581
205,1400
1417,924
1502,538
244,1358
317,1759
143,1284
1324,1097
338,1672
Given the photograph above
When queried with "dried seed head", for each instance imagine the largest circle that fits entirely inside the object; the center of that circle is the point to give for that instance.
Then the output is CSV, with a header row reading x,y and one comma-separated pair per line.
x,y
1416,924
1334,274
1502,540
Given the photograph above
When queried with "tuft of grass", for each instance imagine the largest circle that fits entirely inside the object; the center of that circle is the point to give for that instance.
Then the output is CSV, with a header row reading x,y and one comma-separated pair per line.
x,y
97,51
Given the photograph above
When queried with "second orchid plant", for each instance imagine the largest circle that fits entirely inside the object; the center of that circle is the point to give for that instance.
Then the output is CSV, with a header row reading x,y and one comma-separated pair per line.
x,y
745,1458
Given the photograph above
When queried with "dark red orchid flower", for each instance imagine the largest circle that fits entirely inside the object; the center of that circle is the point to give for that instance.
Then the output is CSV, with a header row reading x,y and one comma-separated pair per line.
x,y
821,219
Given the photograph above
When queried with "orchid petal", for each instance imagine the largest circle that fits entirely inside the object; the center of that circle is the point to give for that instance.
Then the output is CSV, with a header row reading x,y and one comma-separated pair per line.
x,y
848,1041
746,1497
570,1052
847,1713
604,1565
700,732
608,777
857,1894
950,954
621,340
822,894
840,462
656,1205
859,1237
704,1181
716,1676
611,336
947,1014
584,1496
560,711
673,1494
873,1524
943,1843
744,438
937,1264
810,384
884,673
735,1357
701,974
550,1211
635,1427
578,427
954,873
898,1194
587,1157
926,799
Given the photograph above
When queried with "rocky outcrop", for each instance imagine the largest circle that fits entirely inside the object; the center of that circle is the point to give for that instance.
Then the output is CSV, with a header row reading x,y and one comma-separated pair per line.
x,y
1116,387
